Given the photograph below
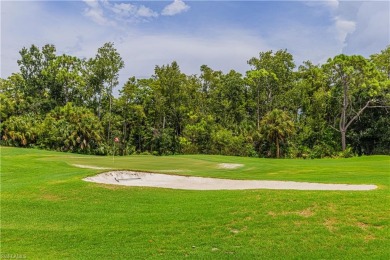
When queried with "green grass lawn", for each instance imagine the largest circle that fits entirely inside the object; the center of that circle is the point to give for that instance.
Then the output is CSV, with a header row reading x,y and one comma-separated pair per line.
x,y
48,212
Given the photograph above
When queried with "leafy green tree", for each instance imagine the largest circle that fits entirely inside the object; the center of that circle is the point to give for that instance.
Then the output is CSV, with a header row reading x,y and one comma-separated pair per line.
x,y
66,80
197,134
234,102
36,85
213,95
130,107
371,133
311,98
170,96
225,142
275,77
7,104
259,83
276,127
272,108
382,61
210,82
71,128
23,130
355,84
103,71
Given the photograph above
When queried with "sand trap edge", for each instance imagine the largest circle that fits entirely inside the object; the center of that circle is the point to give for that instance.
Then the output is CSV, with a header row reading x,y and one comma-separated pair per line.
x,y
158,180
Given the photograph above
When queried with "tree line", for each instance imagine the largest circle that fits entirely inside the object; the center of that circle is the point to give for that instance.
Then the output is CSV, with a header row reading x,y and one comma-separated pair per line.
x,y
64,103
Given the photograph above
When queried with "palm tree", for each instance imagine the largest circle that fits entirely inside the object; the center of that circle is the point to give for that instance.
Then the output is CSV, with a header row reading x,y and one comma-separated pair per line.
x,y
276,126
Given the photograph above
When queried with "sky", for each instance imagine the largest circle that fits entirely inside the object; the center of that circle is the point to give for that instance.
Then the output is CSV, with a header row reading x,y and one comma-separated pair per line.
x,y
221,34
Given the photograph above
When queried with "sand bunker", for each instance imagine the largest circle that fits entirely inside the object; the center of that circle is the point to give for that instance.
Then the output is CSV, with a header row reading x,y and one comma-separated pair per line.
x,y
142,179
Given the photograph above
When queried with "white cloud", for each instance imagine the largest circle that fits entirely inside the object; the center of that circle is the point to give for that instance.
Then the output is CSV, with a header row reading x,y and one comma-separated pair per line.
x,y
96,13
365,30
104,12
176,7
225,51
123,9
314,43
331,4
342,21
24,24
131,11
372,30
343,28
358,27
144,11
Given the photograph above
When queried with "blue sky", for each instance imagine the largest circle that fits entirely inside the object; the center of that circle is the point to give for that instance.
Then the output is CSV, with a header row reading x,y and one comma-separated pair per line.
x,y
221,34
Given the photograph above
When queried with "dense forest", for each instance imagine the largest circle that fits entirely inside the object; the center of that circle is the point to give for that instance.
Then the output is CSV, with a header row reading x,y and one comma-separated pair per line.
x,y
64,103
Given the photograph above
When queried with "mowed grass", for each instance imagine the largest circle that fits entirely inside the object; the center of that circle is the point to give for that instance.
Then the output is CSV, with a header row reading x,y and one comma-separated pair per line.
x,y
48,212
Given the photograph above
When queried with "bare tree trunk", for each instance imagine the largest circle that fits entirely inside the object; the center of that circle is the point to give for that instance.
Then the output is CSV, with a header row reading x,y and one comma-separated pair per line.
x,y
258,108
343,140
277,148
343,118
109,123
99,106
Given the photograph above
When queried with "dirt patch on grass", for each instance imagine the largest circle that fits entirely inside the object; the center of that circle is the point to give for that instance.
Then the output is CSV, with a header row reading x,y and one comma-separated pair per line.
x,y
273,214
50,197
330,224
306,213
143,179
368,238
230,166
362,225
90,167
303,213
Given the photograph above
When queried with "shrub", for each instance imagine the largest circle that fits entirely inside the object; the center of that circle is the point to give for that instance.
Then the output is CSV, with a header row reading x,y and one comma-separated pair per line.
x,y
21,130
74,129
